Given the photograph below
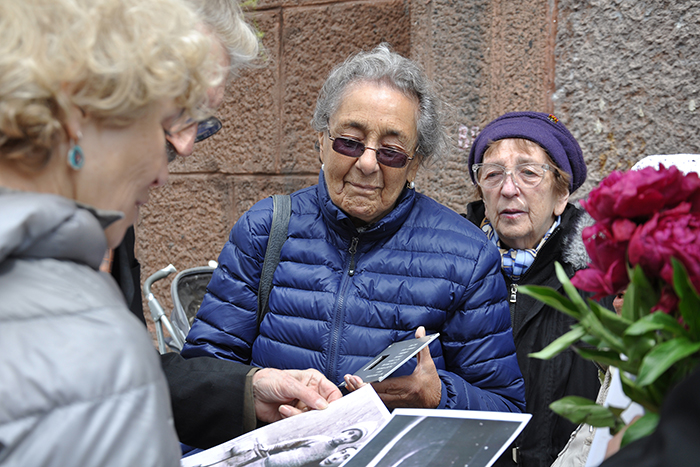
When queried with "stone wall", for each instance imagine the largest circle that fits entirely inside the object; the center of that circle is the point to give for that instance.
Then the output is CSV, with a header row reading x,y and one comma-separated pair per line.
x,y
623,75
628,79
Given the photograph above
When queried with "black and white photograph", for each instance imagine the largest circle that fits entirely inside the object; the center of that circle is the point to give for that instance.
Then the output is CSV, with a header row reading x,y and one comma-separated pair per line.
x,y
317,438
425,438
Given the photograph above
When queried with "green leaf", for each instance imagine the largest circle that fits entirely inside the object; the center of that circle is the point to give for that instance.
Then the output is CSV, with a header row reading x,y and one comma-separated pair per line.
x,y
593,341
657,321
571,292
640,296
689,299
605,357
609,339
644,426
640,395
551,297
662,357
581,410
611,320
637,347
560,344
618,410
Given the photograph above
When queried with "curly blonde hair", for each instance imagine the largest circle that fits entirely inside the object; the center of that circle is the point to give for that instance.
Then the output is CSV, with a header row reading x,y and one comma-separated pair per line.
x,y
110,58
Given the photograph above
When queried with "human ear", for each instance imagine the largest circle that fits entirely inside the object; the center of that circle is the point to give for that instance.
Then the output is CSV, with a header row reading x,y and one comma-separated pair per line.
x,y
561,204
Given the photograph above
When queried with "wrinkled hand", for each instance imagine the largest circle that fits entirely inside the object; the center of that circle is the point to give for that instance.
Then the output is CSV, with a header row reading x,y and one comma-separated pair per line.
x,y
421,389
280,394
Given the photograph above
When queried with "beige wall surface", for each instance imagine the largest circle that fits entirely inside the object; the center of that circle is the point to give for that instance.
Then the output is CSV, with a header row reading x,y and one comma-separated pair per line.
x,y
623,75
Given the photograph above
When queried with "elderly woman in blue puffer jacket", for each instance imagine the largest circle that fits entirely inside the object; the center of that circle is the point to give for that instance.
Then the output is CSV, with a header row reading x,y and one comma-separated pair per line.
x,y
368,260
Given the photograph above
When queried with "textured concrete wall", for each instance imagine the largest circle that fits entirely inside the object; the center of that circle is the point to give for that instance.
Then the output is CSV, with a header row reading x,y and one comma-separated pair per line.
x,y
628,79
621,74
487,57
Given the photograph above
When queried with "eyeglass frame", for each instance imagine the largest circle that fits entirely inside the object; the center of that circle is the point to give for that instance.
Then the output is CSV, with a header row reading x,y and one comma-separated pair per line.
x,y
205,128
512,173
365,148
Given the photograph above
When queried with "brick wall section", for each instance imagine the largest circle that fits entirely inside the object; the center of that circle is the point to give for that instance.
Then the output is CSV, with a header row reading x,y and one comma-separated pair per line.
x,y
623,76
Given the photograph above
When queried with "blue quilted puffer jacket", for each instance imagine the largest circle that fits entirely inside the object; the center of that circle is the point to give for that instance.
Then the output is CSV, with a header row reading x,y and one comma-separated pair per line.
x,y
341,295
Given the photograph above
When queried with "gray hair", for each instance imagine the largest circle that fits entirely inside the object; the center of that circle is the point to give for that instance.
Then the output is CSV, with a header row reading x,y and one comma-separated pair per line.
x,y
225,19
381,65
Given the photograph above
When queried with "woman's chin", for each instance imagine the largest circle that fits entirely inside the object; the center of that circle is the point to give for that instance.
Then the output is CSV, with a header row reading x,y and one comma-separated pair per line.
x,y
115,232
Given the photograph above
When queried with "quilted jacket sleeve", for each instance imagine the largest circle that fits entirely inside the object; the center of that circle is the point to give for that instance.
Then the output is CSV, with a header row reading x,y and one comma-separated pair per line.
x,y
226,323
482,370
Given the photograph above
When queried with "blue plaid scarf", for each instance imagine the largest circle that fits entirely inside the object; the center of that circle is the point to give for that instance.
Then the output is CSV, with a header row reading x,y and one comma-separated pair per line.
x,y
516,262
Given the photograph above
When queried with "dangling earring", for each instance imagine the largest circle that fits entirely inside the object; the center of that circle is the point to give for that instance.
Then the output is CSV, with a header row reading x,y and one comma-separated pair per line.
x,y
410,185
323,166
76,157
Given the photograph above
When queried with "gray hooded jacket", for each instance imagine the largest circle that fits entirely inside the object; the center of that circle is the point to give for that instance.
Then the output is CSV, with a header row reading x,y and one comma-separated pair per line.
x,y
80,381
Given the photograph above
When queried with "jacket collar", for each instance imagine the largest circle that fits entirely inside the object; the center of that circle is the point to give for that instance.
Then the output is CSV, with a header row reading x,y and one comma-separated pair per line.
x,y
341,222
41,225
573,221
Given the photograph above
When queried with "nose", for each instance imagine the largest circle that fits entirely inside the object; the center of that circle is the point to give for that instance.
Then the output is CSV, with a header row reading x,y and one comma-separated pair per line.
x,y
509,187
162,174
183,141
367,162
161,177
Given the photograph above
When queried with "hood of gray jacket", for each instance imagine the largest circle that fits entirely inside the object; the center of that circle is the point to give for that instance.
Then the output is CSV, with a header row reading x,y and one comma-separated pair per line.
x,y
39,225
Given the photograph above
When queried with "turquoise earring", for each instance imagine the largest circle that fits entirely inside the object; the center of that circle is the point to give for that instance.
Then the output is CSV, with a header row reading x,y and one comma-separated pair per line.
x,y
76,157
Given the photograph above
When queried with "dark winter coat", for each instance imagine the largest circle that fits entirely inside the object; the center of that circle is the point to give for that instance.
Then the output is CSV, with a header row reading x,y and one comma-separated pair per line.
x,y
535,326
207,394
340,296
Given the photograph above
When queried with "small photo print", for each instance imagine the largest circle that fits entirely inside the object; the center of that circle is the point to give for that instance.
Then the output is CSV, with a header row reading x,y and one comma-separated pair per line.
x,y
317,438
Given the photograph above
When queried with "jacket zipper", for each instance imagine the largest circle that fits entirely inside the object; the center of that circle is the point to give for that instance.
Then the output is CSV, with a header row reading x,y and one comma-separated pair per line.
x,y
338,316
352,250
513,298
513,292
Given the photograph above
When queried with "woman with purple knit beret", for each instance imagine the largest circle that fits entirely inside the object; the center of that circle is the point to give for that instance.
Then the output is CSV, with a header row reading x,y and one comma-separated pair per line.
x,y
525,166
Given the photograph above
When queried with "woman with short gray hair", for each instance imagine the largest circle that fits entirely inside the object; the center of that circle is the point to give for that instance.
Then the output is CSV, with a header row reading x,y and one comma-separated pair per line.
x,y
368,260
381,65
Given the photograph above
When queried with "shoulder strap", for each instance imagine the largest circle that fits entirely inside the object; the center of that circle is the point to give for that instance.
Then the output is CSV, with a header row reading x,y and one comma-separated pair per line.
x,y
282,209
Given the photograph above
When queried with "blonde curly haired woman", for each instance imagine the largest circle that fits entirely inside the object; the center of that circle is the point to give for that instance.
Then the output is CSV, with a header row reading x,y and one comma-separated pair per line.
x,y
88,90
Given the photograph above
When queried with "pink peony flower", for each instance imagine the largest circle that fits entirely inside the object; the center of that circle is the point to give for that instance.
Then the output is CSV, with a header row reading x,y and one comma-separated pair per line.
x,y
668,303
607,273
674,233
637,195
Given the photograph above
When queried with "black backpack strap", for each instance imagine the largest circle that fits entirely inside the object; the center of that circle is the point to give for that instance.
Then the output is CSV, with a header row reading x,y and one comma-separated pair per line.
x,y
282,210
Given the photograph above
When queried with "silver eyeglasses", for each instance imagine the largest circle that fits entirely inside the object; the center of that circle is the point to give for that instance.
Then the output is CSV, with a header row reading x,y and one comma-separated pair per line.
x,y
490,176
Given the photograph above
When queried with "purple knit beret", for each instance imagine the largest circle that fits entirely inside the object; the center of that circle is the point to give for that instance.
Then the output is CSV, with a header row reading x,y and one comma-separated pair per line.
x,y
543,129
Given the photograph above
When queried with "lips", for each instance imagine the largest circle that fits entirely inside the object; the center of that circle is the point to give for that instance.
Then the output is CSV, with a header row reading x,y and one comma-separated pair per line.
x,y
510,213
364,188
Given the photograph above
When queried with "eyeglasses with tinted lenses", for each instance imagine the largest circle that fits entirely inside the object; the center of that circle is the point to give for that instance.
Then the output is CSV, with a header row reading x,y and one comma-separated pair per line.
x,y
490,176
207,128
385,156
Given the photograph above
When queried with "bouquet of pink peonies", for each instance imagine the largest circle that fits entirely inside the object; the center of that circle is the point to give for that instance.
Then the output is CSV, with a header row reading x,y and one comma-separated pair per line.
x,y
645,243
